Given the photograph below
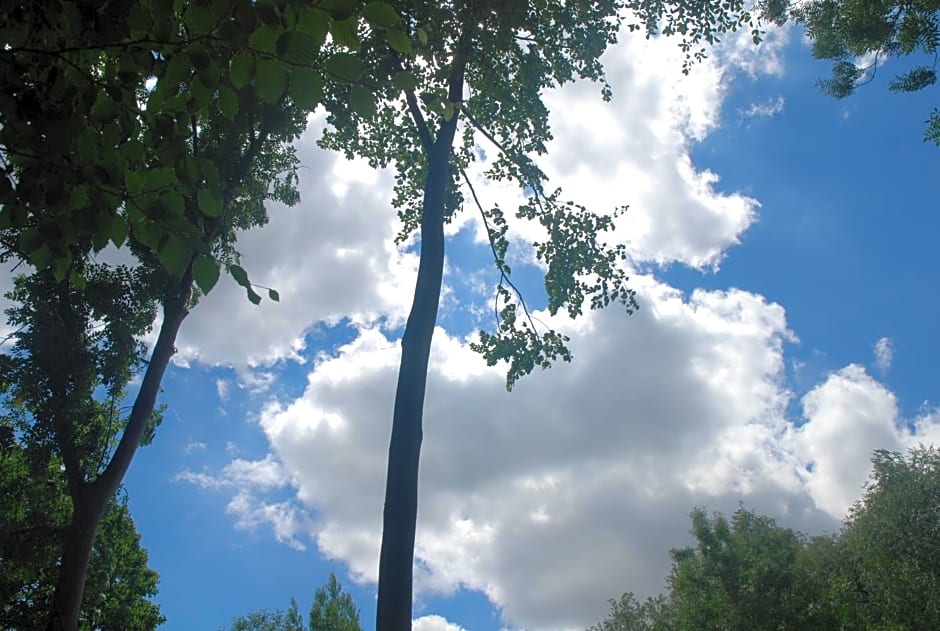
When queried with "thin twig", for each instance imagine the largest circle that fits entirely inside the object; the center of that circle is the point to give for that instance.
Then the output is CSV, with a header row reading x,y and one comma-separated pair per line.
x,y
501,266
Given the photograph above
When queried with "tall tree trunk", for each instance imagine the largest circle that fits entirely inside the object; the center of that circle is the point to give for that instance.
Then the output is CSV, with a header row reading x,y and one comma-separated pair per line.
x,y
89,500
77,542
401,489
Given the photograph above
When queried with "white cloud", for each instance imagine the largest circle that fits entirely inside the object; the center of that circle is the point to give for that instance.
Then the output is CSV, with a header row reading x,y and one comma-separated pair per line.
x,y
221,388
884,354
848,416
194,446
284,518
265,474
599,461
330,257
763,109
434,623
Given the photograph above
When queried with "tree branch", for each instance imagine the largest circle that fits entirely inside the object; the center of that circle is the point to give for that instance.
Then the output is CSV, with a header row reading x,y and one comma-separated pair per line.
x,y
423,133
174,311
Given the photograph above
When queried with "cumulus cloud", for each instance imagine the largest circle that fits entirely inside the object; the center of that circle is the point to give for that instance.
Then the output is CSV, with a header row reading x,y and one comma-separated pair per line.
x,y
330,257
284,518
848,416
884,354
599,461
434,623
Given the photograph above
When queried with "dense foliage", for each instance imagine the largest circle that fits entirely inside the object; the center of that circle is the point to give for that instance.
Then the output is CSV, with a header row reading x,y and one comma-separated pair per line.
x,y
160,126
36,509
746,573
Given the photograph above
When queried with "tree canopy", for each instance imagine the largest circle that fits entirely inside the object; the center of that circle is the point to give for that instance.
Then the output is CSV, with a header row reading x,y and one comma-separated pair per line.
x,y
745,573
157,126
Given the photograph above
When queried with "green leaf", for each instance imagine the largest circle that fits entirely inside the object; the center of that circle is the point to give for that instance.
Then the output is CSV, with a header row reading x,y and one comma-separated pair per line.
x,y
160,178
422,36
41,257
119,230
210,202
240,275
78,279
240,71
399,41
297,47
339,9
228,103
265,38
198,18
449,111
78,197
200,92
174,254
362,102
30,240
270,80
104,109
205,273
198,56
253,296
381,15
306,88
173,204
273,295
60,267
133,182
315,23
345,33
405,80
345,66
177,69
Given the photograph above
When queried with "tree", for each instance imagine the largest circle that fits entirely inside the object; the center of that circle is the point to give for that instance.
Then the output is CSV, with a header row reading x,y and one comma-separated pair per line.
x,y
628,614
332,610
473,71
35,510
156,124
879,572
858,35
746,573
890,543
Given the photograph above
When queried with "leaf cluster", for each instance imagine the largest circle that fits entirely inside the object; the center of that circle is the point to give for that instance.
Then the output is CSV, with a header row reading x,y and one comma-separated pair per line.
x,y
858,35
160,123
698,24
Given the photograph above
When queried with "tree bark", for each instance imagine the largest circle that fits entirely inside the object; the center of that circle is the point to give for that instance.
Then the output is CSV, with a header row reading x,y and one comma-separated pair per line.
x,y
401,490
89,503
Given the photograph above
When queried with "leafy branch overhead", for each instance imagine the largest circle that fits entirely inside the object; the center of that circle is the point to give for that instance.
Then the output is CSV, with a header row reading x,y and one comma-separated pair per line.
x,y
517,51
110,115
858,36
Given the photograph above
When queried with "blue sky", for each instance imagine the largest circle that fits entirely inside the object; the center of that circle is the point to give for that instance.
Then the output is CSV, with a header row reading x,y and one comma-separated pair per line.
x,y
750,374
